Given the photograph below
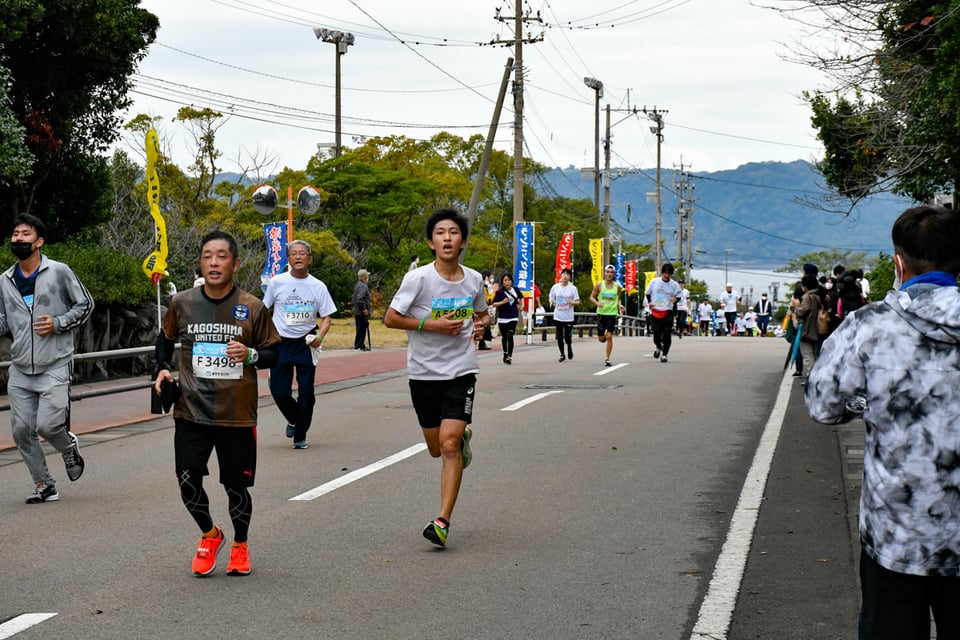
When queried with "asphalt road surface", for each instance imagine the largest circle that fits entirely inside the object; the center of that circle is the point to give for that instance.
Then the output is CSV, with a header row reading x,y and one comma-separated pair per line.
x,y
597,506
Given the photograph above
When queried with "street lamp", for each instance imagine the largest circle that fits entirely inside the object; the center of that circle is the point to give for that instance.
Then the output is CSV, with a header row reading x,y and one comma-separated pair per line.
x,y
597,87
342,41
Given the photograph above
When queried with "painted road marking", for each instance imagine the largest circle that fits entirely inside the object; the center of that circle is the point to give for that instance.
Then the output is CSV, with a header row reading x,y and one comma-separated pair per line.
x,y
713,622
530,400
360,473
611,369
22,623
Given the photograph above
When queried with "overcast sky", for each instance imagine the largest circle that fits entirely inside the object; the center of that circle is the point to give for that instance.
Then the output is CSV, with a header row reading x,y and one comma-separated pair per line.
x,y
417,67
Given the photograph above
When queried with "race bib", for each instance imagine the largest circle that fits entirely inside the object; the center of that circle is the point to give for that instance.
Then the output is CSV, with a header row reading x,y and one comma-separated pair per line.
x,y
210,361
462,308
299,314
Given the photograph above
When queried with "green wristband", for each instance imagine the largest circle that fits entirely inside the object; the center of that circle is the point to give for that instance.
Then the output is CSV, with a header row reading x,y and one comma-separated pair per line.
x,y
420,326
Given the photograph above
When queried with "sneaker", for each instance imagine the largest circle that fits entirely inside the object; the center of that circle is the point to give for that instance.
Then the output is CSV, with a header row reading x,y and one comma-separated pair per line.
x,y
72,458
508,359
289,431
465,453
562,357
43,493
606,363
300,444
656,354
569,354
663,358
239,564
436,532
483,347
207,549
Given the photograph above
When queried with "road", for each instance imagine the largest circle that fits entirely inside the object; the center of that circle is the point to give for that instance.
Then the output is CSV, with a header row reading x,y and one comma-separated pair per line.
x,y
597,506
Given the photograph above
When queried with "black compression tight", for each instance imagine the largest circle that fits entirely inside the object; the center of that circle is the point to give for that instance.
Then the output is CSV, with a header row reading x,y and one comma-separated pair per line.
x,y
195,499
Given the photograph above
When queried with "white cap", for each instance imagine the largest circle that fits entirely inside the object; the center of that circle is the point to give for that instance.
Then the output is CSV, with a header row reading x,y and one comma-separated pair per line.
x,y
729,284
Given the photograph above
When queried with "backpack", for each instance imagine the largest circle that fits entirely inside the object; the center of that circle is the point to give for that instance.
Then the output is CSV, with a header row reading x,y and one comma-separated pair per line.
x,y
823,322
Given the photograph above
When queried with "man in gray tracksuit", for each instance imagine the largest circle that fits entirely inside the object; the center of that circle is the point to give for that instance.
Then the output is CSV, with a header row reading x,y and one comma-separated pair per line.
x,y
41,302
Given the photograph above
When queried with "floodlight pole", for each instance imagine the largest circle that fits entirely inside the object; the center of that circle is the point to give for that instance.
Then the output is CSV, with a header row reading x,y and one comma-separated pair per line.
x,y
341,41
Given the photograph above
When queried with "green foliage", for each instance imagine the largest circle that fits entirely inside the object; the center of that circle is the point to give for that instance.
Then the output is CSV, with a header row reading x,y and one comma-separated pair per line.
x,y
71,63
881,277
110,276
15,159
827,259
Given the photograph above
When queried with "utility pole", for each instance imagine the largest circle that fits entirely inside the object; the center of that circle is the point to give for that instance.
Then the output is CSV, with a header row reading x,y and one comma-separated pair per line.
x,y
684,188
606,190
341,41
518,41
656,117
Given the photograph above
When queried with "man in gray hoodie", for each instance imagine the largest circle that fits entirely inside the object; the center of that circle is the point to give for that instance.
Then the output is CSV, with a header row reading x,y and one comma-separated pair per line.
x,y
41,302
898,362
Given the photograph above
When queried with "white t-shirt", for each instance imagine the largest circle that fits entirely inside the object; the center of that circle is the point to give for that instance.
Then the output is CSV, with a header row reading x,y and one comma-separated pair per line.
x,y
662,294
728,301
297,303
562,298
750,319
425,294
682,300
705,311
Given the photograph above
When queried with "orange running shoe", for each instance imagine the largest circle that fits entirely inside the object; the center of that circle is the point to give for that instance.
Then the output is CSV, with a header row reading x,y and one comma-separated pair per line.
x,y
239,564
206,559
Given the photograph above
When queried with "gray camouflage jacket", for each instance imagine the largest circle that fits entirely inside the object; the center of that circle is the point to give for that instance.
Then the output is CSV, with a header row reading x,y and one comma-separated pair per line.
x,y
902,356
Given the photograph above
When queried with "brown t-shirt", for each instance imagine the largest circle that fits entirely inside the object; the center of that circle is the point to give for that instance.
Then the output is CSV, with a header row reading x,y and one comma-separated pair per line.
x,y
213,391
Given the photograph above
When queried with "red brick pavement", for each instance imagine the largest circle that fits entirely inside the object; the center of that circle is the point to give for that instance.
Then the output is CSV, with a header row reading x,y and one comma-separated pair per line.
x,y
128,407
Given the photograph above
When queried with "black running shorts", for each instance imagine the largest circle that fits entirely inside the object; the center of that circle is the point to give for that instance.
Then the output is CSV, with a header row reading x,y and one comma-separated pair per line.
x,y
439,400
236,449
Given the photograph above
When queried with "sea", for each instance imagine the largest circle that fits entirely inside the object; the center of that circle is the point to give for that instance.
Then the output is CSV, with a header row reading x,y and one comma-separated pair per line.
x,y
749,281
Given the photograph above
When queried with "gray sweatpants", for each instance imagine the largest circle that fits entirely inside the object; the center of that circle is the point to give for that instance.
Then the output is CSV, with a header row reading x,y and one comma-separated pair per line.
x,y
39,406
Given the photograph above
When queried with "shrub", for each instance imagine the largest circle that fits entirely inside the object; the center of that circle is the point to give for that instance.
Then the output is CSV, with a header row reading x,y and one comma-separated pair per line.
x,y
110,276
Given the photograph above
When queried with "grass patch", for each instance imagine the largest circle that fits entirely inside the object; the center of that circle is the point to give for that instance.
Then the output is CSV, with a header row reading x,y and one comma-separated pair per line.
x,y
342,332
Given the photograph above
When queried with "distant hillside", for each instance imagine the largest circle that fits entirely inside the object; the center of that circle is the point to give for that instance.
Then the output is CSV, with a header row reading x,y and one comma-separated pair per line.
x,y
755,211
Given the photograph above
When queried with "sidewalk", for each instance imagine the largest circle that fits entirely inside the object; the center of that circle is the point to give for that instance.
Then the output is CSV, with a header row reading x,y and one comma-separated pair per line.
x,y
131,407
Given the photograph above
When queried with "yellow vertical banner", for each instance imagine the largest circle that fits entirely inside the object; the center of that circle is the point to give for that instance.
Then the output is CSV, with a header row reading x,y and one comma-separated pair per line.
x,y
648,277
596,257
155,265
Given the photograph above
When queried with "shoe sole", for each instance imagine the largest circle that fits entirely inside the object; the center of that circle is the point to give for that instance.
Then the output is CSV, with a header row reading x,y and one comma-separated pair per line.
x,y
82,465
52,498
430,533
237,572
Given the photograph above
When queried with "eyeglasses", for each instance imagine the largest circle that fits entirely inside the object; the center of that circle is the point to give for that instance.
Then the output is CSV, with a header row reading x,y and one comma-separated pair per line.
x,y
298,254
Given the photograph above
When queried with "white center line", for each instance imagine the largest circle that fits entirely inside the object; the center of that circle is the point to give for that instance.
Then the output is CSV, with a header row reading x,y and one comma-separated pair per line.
x,y
359,473
523,403
611,369
21,623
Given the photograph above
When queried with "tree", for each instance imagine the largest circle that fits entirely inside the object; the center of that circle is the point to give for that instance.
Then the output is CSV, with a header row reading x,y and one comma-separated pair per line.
x,y
890,120
71,63
14,156
828,259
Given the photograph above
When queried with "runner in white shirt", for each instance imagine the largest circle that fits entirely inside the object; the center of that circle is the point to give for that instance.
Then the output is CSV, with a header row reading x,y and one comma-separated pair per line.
x,y
683,308
564,296
728,305
662,293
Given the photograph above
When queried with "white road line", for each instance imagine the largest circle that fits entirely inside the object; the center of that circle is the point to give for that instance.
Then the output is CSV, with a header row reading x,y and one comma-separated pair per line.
x,y
21,623
360,473
713,622
611,369
523,403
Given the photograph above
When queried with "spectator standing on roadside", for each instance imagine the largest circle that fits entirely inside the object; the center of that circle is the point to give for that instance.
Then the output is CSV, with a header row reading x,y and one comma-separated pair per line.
x,y
41,303
443,309
898,362
225,334
297,299
361,310
764,311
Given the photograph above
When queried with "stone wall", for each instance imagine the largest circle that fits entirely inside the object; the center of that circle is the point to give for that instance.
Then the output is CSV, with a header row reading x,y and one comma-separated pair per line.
x,y
109,328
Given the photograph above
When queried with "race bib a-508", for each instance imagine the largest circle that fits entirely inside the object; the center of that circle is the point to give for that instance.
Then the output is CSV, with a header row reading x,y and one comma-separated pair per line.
x,y
462,308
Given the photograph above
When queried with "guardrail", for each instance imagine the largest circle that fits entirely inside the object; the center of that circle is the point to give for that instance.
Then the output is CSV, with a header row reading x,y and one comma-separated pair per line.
x,y
587,323
115,354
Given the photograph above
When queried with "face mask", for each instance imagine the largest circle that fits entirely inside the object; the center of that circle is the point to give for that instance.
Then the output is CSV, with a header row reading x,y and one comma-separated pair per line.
x,y
21,250
828,285
898,270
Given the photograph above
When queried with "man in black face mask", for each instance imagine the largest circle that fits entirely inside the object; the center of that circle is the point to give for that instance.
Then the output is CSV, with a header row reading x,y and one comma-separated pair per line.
x,y
41,302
